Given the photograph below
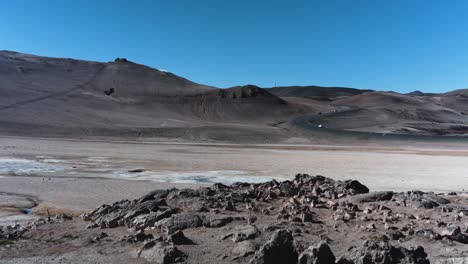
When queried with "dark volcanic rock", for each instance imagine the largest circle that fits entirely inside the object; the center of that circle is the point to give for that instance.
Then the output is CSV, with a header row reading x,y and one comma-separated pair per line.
x,y
318,254
244,232
217,221
279,249
12,232
453,232
163,254
148,220
179,221
303,205
372,197
354,187
179,238
244,248
138,237
428,233
418,199
384,252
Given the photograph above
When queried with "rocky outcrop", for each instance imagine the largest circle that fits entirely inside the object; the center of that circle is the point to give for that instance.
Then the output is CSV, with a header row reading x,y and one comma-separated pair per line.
x,y
384,252
317,254
278,249
268,222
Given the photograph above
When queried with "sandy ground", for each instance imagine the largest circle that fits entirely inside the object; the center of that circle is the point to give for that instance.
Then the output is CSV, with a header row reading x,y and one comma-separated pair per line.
x,y
96,172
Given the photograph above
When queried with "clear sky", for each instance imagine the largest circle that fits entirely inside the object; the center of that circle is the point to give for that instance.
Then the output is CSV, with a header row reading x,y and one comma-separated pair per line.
x,y
400,45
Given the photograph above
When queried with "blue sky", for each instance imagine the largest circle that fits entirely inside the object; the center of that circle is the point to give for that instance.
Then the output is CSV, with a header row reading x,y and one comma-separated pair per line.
x,y
400,45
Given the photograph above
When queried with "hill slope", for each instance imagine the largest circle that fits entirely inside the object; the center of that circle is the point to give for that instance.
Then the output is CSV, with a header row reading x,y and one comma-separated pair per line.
x,y
42,96
52,96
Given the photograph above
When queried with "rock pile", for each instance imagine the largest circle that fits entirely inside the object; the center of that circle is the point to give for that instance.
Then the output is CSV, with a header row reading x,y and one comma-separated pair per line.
x,y
299,195
310,219
15,232
283,212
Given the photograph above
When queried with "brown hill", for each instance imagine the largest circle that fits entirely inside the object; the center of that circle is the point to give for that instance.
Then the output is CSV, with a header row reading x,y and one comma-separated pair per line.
x,y
389,112
51,96
42,96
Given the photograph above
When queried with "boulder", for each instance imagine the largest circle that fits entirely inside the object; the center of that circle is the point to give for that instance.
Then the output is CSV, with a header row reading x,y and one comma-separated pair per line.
x,y
244,232
453,232
179,221
317,254
217,221
162,253
355,187
179,238
244,248
371,197
384,252
279,249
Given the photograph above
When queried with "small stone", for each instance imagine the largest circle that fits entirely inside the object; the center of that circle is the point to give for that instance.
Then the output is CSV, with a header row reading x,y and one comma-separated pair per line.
x,y
370,226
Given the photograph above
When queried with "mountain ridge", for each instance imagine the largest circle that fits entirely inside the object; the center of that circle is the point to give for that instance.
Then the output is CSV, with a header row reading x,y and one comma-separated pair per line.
x,y
80,98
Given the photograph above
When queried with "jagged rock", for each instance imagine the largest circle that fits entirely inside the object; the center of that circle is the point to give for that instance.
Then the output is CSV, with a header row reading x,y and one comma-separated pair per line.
x,y
110,220
101,236
62,218
155,195
217,221
354,187
142,208
151,208
318,254
370,227
306,216
395,234
179,238
428,233
288,188
296,203
419,199
179,221
453,232
244,232
372,197
162,254
148,220
343,260
279,249
384,252
13,232
140,236
244,248
183,193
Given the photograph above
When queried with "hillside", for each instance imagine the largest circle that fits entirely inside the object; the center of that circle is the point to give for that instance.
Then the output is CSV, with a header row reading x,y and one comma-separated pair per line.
x,y
43,96
389,112
66,97
318,93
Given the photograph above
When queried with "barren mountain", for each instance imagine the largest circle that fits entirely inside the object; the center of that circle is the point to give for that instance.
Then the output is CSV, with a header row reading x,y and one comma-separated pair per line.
x,y
318,93
42,96
51,96
388,112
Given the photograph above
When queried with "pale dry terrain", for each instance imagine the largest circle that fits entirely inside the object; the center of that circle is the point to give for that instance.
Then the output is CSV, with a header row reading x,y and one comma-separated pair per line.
x,y
84,174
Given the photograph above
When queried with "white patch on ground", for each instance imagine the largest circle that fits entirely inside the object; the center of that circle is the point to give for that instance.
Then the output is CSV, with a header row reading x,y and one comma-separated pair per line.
x,y
97,158
13,219
206,177
53,161
25,166
44,157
